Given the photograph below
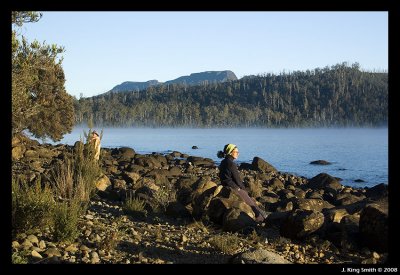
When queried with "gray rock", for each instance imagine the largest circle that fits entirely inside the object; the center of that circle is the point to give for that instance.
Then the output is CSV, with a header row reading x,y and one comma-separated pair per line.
x,y
259,256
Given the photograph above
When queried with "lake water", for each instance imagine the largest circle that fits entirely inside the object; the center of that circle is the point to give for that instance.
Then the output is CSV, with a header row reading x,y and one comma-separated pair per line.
x,y
355,153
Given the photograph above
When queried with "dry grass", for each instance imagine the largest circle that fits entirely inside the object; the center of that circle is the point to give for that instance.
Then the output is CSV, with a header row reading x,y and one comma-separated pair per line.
x,y
76,178
164,196
134,206
227,243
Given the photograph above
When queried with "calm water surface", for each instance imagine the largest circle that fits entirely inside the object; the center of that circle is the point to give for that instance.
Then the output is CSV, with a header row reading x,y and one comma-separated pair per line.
x,y
355,153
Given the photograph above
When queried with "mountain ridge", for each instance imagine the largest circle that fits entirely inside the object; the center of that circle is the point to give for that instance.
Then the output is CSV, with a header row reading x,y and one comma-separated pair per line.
x,y
191,80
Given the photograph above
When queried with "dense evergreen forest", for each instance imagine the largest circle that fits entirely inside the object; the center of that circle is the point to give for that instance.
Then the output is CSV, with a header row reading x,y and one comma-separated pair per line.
x,y
340,95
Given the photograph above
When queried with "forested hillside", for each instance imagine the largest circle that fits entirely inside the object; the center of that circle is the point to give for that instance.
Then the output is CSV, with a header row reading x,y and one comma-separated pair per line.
x,y
340,95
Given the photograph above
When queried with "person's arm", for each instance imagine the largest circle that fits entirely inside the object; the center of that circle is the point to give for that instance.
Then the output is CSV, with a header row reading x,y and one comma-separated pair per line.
x,y
227,175
236,177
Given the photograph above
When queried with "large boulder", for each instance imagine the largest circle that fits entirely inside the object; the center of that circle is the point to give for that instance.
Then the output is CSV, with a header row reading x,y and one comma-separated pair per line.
x,y
202,162
216,209
374,227
161,159
301,223
335,214
235,219
377,192
174,171
347,199
201,201
103,182
184,186
124,153
225,201
275,185
325,182
130,177
311,204
148,161
261,165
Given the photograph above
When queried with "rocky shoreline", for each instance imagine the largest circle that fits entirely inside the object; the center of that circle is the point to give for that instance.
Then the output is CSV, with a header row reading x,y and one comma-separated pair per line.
x,y
314,220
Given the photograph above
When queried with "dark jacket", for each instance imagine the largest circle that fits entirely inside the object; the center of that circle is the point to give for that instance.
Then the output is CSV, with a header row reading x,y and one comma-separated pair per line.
x,y
229,174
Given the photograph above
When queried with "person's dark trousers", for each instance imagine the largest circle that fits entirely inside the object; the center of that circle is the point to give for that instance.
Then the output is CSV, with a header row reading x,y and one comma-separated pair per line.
x,y
260,215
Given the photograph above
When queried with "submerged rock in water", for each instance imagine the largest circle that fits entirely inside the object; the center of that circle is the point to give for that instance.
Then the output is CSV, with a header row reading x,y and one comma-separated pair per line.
x,y
320,162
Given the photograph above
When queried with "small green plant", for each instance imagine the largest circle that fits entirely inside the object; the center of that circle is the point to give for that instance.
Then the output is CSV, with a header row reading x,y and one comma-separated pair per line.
x,y
163,197
17,258
66,218
227,244
32,206
134,206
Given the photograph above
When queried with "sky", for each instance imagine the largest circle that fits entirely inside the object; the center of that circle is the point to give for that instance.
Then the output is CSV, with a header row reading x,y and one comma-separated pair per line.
x,y
104,49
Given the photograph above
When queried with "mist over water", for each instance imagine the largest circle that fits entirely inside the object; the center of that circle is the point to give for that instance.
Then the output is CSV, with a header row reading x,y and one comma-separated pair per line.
x,y
355,153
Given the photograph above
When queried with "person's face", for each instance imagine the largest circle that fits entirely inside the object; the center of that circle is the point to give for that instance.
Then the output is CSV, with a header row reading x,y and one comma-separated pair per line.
x,y
235,153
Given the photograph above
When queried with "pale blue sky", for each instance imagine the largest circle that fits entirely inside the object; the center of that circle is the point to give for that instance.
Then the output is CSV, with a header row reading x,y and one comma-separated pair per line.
x,y
104,49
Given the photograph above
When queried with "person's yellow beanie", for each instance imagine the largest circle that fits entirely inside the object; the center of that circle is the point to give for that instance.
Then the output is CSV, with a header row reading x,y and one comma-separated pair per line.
x,y
229,148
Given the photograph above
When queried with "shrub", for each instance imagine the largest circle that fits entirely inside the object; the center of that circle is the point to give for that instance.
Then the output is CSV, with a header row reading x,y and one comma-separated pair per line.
x,y
17,258
74,183
164,196
134,206
76,178
32,206
227,244
86,169
66,218
63,180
